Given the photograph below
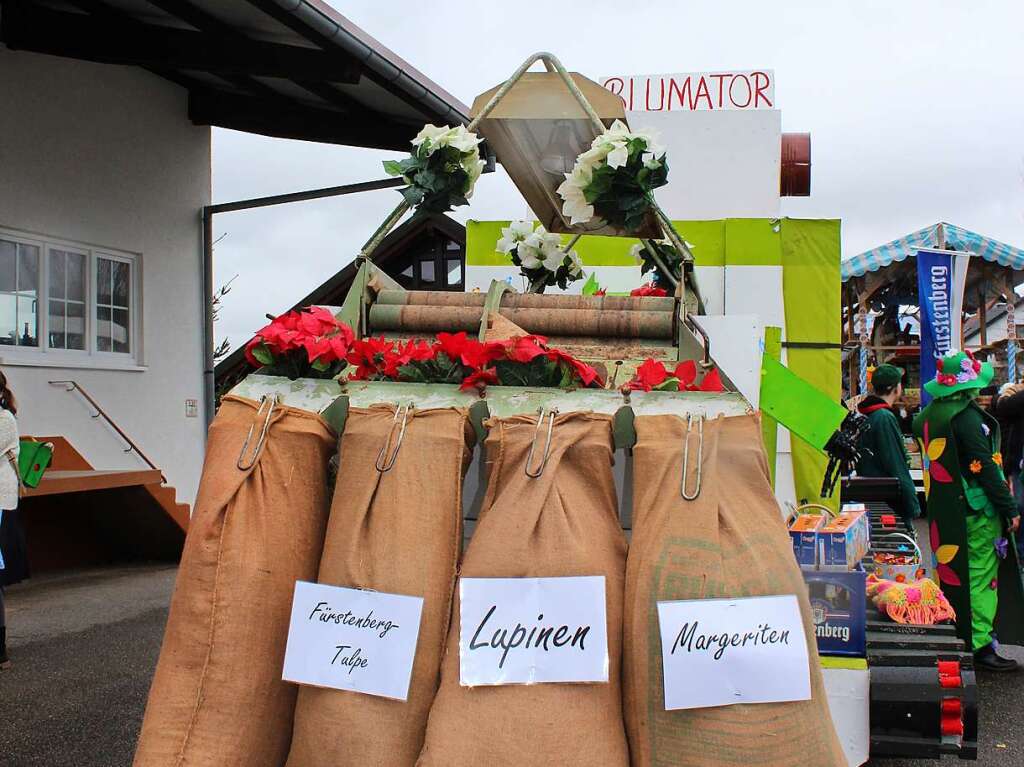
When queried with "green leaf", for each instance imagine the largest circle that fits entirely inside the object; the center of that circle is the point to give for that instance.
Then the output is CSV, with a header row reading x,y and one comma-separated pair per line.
x,y
263,355
412,194
669,384
590,287
412,373
393,168
320,365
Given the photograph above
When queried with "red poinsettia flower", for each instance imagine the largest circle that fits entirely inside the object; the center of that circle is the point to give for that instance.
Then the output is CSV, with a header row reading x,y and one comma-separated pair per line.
x,y
581,370
601,292
477,355
649,374
712,381
525,348
479,379
367,355
648,290
453,344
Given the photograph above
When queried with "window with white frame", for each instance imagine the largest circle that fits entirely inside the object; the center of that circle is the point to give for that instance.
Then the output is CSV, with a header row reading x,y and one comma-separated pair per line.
x,y
66,300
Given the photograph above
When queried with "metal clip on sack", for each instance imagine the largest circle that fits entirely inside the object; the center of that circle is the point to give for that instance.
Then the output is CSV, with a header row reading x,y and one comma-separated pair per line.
x,y
547,444
269,402
386,457
692,496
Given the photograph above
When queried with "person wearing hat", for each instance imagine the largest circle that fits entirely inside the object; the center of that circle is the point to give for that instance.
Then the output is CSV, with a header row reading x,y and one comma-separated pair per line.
x,y
883,453
971,513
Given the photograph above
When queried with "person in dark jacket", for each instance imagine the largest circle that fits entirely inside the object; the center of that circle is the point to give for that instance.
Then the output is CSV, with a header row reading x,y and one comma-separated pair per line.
x,y
1008,408
883,450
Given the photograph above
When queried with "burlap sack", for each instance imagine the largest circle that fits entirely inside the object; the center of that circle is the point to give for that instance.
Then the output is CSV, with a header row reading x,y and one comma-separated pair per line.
x,y
400,532
563,523
729,542
217,698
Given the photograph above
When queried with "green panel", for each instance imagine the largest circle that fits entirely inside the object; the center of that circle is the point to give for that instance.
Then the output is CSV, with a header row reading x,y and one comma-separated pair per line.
x,y
706,237
811,285
801,407
752,242
769,426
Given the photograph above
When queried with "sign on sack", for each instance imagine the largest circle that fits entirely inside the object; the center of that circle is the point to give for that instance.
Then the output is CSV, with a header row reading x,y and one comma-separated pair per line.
x,y
532,630
349,639
717,652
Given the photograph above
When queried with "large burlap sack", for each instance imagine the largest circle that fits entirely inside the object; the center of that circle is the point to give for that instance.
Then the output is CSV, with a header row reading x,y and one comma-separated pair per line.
x,y
563,523
729,542
217,698
399,532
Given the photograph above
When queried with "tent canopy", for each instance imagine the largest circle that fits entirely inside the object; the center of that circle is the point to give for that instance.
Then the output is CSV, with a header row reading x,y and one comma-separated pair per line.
x,y
934,236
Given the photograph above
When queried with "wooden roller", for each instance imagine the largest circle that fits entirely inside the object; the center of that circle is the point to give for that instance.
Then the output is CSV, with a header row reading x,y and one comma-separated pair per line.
x,y
527,301
605,323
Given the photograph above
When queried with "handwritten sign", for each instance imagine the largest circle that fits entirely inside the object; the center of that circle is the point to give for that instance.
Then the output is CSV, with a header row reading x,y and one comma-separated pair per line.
x,y
531,630
695,91
717,652
348,639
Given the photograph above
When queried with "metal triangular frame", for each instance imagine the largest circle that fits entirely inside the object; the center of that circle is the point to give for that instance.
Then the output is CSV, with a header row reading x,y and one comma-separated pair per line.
x,y
553,65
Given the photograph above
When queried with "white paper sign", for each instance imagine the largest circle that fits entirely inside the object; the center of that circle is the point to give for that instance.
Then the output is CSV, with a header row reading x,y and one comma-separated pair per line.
x,y
348,639
716,652
530,630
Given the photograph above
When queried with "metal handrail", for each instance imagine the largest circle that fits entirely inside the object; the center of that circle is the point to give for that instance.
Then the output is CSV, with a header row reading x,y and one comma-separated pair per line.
x,y
132,447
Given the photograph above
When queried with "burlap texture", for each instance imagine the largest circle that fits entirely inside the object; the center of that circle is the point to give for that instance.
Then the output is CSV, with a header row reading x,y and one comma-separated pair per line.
x,y
563,523
730,542
398,532
217,698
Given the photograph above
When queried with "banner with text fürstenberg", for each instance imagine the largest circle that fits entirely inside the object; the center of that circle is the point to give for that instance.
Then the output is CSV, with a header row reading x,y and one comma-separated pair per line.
x,y
940,286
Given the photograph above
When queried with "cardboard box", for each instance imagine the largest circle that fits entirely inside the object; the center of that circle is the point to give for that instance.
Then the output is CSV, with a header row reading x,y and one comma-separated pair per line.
x,y
845,540
838,605
804,533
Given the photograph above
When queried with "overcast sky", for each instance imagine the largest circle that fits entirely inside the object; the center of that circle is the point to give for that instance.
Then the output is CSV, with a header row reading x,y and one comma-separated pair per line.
x,y
915,110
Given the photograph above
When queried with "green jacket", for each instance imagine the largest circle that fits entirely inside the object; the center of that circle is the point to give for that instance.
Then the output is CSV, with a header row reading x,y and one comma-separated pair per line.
x,y
884,454
963,480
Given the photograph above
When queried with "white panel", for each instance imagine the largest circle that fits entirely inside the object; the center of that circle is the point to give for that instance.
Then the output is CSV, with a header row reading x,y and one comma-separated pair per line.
x,y
847,691
721,164
756,290
736,346
711,281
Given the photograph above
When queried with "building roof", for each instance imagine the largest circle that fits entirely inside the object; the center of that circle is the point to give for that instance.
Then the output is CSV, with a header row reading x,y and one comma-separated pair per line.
x,y
332,292
953,236
287,68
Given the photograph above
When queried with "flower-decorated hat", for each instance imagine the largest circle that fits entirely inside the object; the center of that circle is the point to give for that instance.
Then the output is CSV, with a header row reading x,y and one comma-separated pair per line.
x,y
958,371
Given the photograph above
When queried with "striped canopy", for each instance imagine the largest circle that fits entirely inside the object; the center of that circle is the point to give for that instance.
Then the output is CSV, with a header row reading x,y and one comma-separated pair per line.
x,y
955,237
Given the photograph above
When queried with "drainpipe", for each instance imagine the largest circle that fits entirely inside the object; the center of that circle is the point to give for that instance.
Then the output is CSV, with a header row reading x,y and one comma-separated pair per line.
x,y
208,382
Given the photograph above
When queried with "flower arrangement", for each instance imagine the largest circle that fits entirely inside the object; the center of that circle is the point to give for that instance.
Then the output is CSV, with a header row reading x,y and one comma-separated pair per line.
x,y
456,358
442,170
652,375
612,182
670,257
538,254
307,343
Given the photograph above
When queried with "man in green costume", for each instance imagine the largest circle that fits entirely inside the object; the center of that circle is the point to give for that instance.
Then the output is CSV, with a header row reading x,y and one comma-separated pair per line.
x,y
883,451
971,513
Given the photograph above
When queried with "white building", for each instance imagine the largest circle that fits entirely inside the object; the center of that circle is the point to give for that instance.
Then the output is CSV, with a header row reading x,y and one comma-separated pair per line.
x,y
105,149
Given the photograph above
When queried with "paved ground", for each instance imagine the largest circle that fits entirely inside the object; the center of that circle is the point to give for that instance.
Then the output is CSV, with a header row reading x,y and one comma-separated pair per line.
x,y
84,648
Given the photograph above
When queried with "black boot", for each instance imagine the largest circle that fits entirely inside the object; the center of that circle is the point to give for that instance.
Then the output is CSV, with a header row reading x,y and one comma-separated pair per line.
x,y
986,659
5,662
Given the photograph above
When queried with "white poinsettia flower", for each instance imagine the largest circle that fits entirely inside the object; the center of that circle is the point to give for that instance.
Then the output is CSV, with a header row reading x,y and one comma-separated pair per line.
x,y
430,133
575,264
594,155
462,139
618,128
529,256
650,161
637,253
513,234
581,175
619,155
